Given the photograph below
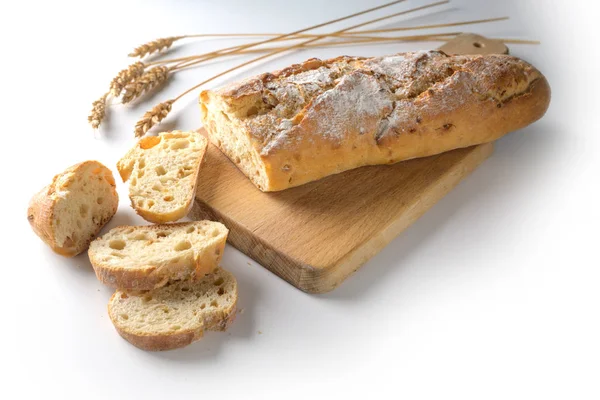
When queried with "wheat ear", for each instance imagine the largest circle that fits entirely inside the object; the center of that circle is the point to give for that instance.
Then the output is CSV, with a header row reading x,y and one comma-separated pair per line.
x,y
125,76
98,111
153,117
154,46
148,81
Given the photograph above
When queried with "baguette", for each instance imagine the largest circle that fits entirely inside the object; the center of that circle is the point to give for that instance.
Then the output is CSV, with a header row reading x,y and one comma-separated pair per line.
x,y
148,257
175,315
318,118
69,212
165,174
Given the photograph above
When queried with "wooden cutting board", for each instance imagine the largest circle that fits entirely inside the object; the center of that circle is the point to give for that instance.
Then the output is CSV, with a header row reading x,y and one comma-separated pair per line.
x,y
315,235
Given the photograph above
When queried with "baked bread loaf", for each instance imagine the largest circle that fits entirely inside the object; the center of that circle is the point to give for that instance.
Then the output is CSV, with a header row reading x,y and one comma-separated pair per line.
x,y
163,172
318,118
175,315
148,257
69,212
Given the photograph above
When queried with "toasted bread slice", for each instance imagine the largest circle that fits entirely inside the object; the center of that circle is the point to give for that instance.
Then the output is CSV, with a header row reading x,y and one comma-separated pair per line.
x,y
69,212
177,314
148,257
162,172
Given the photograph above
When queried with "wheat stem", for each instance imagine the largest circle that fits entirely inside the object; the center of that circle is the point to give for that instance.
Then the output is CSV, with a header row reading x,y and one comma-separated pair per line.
x,y
516,41
159,112
295,46
373,40
355,35
291,34
444,36
163,43
187,61
311,35
238,47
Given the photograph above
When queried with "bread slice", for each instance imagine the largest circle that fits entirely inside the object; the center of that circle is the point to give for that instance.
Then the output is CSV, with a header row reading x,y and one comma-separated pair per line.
x,y
162,172
177,314
69,212
148,257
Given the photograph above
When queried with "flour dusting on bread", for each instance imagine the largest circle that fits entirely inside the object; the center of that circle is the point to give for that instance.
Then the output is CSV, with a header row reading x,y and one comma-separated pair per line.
x,y
355,97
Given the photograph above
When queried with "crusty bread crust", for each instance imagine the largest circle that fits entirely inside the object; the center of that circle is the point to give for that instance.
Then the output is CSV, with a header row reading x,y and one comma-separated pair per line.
x,y
40,215
41,210
157,342
153,276
319,118
174,340
211,319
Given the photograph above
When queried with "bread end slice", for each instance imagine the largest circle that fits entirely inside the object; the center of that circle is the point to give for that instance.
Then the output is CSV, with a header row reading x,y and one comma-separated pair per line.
x,y
69,212
177,314
229,133
163,172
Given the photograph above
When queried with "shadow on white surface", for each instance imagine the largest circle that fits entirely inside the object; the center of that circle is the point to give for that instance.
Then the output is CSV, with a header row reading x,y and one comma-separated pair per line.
x,y
107,128
78,265
535,148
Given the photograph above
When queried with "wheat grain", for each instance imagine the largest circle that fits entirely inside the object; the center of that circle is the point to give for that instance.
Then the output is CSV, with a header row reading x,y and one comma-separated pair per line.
x,y
154,46
148,81
98,111
125,76
153,117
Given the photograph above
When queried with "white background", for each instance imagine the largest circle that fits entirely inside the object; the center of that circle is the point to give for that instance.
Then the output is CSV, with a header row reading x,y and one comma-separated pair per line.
x,y
493,294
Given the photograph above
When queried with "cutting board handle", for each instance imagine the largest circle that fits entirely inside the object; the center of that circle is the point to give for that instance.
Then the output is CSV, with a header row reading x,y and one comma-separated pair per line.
x,y
471,43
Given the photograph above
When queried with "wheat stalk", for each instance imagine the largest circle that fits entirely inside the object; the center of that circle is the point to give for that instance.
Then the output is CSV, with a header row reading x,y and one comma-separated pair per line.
x,y
133,82
154,46
295,46
353,35
125,76
159,112
311,35
145,83
153,117
98,111
185,62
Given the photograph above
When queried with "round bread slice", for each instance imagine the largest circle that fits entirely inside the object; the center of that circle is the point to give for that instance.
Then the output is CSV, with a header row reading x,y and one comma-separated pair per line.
x,y
177,314
69,213
148,257
163,174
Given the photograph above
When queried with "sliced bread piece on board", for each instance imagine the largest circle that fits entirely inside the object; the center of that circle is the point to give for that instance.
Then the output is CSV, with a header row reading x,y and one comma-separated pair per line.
x,y
177,314
148,257
162,172
69,212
